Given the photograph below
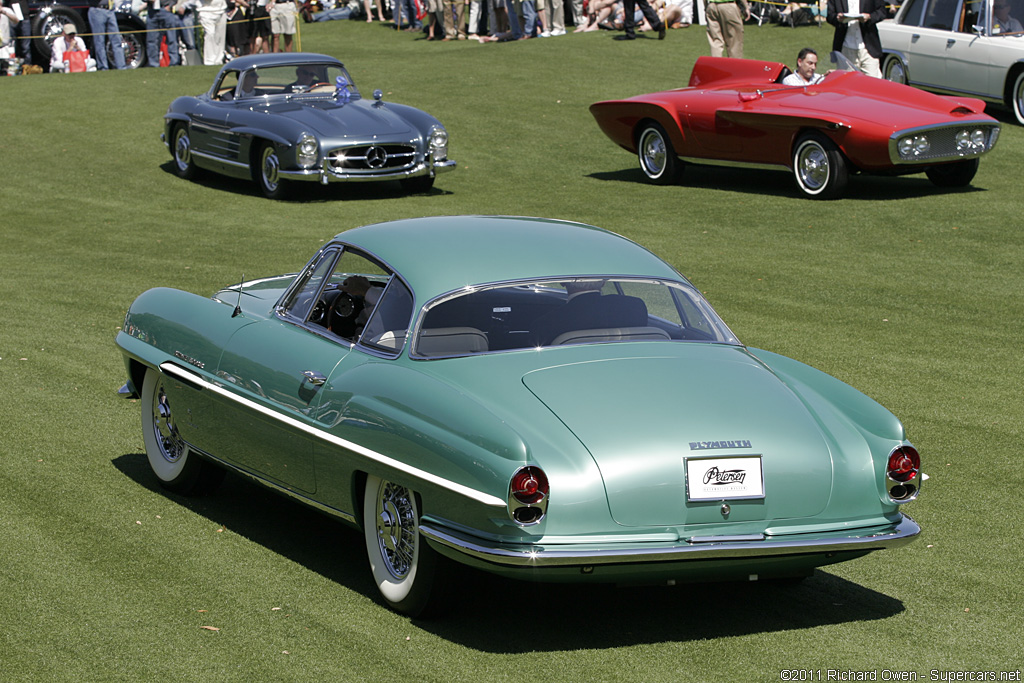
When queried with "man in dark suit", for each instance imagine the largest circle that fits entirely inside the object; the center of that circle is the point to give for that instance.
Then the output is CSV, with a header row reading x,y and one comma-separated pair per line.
x,y
856,35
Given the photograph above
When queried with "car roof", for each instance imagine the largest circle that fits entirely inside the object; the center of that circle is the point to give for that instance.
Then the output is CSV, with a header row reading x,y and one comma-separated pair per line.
x,y
440,254
278,59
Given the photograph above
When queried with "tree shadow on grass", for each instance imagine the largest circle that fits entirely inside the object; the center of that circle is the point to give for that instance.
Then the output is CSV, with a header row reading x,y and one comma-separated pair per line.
x,y
781,183
305,192
498,615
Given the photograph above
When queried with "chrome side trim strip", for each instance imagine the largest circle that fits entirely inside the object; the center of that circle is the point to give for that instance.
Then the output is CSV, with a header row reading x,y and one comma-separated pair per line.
x,y
193,378
219,160
539,556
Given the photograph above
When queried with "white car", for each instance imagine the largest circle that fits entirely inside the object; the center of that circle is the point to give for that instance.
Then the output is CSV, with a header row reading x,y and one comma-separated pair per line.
x,y
974,47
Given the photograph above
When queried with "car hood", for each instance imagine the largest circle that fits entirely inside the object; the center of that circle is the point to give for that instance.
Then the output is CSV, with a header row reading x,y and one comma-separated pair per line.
x,y
642,418
328,118
855,96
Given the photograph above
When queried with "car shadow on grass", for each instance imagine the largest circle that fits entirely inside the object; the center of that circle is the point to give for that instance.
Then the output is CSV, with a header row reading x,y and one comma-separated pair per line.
x,y
781,183
305,192
498,615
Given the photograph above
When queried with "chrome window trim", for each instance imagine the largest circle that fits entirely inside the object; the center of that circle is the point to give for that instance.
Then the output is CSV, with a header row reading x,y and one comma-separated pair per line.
x,y
189,377
281,307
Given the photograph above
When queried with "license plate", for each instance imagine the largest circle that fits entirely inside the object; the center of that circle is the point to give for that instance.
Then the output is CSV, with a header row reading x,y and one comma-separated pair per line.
x,y
734,478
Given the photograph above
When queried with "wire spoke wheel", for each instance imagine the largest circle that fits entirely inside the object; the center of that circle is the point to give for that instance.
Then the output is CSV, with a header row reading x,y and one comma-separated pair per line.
x,y
404,567
172,460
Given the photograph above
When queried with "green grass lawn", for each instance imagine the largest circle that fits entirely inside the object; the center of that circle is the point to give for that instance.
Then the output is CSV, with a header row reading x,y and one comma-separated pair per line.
x,y
911,294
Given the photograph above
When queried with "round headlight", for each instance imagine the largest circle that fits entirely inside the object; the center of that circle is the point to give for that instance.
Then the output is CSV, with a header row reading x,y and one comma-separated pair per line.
x,y
921,144
438,142
438,137
978,138
906,147
307,150
963,140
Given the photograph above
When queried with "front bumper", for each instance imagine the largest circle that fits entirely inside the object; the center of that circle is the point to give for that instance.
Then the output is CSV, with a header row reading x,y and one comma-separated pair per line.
x,y
747,547
323,176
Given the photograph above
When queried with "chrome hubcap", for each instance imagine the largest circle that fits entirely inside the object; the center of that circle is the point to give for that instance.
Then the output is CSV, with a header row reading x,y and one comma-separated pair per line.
x,y
182,150
271,169
813,167
396,528
167,437
654,153
896,73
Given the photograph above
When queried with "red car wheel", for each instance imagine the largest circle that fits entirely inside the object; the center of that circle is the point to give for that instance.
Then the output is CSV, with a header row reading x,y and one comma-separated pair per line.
x,y
819,167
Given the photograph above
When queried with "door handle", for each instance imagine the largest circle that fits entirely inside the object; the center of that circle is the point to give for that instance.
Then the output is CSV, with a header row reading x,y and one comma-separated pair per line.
x,y
315,378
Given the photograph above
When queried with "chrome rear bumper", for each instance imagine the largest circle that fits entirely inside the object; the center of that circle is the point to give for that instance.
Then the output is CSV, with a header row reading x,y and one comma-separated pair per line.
x,y
697,548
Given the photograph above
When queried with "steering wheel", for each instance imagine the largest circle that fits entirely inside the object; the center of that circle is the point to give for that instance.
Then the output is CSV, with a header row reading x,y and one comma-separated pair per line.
x,y
320,312
344,311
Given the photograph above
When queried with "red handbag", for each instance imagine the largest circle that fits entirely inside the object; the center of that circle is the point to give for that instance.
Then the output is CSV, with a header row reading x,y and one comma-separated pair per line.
x,y
76,60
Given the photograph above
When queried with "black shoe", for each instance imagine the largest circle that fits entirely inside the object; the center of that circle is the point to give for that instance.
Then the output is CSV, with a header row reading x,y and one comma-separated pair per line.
x,y
626,36
661,31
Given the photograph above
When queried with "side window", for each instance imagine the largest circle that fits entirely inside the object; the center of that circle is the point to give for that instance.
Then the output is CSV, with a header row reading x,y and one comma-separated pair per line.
x,y
306,295
359,302
389,321
974,15
942,14
912,13
227,85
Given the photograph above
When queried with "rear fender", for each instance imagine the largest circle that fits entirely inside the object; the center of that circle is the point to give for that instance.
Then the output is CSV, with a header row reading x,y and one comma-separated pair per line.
x,y
861,410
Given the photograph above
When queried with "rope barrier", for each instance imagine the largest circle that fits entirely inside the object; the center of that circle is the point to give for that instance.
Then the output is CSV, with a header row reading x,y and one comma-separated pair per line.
x,y
138,30
194,27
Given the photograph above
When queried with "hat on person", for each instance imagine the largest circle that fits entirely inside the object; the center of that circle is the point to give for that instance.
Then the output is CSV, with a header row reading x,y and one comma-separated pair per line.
x,y
69,29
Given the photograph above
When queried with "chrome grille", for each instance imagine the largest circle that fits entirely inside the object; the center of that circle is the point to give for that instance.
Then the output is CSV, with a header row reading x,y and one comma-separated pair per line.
x,y
371,158
942,142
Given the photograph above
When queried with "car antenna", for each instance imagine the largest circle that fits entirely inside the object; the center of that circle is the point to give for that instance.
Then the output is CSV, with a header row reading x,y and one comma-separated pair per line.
x,y
238,306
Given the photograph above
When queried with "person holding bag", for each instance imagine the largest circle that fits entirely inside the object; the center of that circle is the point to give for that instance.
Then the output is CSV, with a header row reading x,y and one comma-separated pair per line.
x,y
69,53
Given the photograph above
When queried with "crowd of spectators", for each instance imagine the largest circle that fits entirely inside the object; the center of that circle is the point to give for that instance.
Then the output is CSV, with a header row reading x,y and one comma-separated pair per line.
x,y
503,20
231,28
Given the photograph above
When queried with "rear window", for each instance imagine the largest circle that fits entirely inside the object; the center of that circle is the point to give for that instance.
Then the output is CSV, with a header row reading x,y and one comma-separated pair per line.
x,y
562,312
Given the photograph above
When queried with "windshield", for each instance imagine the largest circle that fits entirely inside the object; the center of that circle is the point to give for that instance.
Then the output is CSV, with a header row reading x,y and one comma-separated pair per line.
x,y
296,79
543,313
841,62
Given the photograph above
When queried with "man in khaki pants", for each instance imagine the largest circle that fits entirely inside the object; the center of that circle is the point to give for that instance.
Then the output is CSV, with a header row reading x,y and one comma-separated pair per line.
x,y
725,26
282,25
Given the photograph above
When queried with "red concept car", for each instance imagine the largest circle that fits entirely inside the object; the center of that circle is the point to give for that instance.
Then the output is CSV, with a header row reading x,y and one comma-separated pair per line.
x,y
736,112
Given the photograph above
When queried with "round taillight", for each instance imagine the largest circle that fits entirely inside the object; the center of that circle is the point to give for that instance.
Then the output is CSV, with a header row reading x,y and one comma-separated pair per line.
x,y
529,485
904,464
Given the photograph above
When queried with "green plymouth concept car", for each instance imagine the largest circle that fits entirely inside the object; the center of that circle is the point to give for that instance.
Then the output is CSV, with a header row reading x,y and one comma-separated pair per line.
x,y
539,399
